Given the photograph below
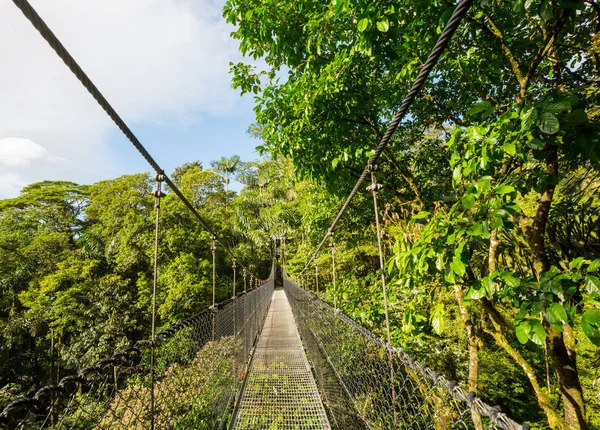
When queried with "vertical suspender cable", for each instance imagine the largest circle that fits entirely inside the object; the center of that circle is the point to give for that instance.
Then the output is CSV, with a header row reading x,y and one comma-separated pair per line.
x,y
316,277
374,187
213,249
332,244
235,334
158,194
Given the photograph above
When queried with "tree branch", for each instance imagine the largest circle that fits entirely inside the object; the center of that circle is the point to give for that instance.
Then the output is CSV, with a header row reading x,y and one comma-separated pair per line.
x,y
545,48
444,109
497,34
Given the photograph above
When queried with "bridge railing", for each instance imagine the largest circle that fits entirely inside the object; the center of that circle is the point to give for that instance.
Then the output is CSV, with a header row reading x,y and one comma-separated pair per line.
x,y
366,383
198,365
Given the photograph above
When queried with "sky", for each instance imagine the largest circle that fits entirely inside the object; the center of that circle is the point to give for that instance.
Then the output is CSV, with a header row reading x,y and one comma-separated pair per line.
x,y
162,64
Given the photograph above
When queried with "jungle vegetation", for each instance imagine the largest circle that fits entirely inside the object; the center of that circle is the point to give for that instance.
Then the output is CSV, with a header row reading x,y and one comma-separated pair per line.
x,y
490,203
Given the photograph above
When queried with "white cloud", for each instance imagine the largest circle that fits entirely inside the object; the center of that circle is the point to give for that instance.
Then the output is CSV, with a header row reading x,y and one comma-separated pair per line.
x,y
11,184
156,61
19,152
16,156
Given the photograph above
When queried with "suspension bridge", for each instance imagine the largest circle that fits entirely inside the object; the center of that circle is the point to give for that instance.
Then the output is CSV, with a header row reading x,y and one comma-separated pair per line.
x,y
273,356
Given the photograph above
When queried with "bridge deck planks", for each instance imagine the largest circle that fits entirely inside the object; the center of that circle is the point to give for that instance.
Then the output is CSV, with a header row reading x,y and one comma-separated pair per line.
x,y
280,392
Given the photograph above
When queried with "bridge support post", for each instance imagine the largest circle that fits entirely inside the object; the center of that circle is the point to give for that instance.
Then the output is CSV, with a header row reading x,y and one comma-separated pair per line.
x,y
374,187
213,249
316,276
158,194
235,333
332,245
245,329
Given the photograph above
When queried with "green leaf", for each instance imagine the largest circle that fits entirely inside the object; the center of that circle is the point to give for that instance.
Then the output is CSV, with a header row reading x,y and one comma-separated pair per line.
x,y
549,274
457,173
504,189
531,330
458,267
476,229
592,285
522,332
594,266
437,318
383,25
511,281
546,11
363,24
512,208
549,123
482,106
577,263
528,118
468,201
340,5
557,106
509,148
484,184
558,313
539,334
421,215
590,324
577,117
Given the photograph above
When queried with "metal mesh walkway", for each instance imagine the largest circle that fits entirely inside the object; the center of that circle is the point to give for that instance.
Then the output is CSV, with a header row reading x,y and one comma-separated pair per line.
x,y
280,390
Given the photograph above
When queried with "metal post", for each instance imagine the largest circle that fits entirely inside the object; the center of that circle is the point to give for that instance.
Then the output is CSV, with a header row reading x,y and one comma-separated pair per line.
x,y
316,276
373,188
158,194
245,329
282,253
235,334
252,310
332,244
213,249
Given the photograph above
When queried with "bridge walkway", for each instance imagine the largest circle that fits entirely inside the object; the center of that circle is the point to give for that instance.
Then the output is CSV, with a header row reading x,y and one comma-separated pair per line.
x,y
280,391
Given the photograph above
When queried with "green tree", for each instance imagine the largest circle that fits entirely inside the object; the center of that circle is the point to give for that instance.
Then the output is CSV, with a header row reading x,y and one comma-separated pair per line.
x,y
509,117
229,167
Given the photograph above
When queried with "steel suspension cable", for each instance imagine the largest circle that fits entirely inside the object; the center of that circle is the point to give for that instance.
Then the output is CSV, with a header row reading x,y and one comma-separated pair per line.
x,y
440,46
35,19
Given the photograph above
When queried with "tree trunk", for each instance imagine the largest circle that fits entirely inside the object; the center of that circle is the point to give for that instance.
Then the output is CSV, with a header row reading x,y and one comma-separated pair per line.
x,y
499,335
563,359
475,343
568,378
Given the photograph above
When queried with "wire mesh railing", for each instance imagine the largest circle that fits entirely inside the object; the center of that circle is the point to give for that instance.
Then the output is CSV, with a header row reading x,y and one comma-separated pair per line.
x,y
366,383
198,366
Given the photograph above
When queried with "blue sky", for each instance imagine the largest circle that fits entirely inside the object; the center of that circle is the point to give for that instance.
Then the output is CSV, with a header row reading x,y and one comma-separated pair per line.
x,y
163,65
206,140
